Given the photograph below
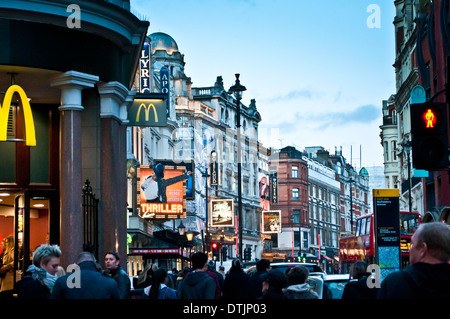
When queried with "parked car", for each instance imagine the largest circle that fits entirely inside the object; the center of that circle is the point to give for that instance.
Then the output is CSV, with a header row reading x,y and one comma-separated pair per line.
x,y
334,285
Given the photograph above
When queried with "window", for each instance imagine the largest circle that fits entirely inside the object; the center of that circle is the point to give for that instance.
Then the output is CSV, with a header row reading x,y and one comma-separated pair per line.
x,y
294,171
295,216
295,194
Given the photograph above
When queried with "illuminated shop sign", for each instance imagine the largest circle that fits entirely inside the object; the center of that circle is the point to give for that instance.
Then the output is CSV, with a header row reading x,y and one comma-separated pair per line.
x,y
148,110
30,134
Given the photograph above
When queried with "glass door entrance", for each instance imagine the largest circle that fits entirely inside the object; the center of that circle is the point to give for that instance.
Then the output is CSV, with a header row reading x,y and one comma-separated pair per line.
x,y
25,219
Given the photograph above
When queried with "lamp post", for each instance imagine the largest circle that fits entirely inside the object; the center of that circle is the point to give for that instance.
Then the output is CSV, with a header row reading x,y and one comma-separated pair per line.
x,y
182,232
237,90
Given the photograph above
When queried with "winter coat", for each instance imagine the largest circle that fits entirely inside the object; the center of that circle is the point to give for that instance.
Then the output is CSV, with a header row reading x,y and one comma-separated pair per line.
x,y
92,284
300,291
237,285
164,292
198,285
358,289
123,281
418,281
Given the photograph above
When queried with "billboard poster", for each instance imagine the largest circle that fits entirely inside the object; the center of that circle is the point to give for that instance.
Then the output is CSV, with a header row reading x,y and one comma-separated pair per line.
x,y
264,191
271,222
189,167
387,230
162,191
222,212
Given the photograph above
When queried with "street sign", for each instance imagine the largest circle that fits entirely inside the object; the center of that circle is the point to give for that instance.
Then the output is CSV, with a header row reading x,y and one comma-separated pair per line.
x,y
387,230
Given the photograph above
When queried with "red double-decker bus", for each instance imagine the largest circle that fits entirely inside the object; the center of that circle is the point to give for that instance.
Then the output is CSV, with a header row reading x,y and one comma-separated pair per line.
x,y
361,245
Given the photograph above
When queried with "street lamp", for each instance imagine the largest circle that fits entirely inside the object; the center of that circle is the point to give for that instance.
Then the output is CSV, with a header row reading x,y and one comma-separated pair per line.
x,y
237,90
181,229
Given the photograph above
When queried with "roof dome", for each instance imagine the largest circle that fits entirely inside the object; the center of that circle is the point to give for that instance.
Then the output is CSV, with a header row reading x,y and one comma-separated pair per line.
x,y
162,41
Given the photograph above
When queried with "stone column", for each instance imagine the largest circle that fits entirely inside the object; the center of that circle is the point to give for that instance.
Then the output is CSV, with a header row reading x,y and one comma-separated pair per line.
x,y
113,178
71,84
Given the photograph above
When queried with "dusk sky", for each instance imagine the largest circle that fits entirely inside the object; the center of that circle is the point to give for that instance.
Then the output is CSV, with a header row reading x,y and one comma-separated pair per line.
x,y
319,70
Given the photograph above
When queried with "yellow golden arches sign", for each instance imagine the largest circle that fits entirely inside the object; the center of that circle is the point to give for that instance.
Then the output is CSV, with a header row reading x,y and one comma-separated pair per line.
x,y
30,134
148,110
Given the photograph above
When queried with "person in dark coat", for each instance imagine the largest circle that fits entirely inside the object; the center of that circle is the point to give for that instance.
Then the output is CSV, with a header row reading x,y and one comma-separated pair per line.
x,y
428,276
273,283
262,266
41,275
298,287
86,282
357,287
217,277
114,271
197,284
158,289
237,283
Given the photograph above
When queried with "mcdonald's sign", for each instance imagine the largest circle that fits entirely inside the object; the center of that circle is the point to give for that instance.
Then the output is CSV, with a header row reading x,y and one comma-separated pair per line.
x,y
30,134
148,110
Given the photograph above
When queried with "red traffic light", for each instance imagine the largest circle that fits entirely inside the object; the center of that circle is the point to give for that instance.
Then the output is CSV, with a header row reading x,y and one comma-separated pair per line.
x,y
429,118
214,245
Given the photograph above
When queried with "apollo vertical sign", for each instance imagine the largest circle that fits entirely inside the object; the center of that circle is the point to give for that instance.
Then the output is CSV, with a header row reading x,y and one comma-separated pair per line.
x,y
165,86
148,110
30,134
144,74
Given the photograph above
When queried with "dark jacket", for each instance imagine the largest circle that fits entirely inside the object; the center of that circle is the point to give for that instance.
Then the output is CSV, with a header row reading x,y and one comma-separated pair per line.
x,y
88,284
28,288
256,284
237,285
198,285
358,289
418,281
123,281
164,293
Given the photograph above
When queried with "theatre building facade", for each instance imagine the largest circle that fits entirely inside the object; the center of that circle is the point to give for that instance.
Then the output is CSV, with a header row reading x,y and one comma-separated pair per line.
x,y
66,73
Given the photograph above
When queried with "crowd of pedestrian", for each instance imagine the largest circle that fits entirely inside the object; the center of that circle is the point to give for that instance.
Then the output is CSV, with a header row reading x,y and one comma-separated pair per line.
x,y
428,276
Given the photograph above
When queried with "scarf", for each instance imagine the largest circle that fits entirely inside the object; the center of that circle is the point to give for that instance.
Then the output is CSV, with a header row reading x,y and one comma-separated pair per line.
x,y
42,276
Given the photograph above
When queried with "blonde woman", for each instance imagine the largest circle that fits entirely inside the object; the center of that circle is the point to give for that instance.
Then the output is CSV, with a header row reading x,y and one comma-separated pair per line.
x,y
7,270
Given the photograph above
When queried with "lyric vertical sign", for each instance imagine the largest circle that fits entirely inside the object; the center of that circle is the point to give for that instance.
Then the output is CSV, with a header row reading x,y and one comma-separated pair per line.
x,y
387,230
144,74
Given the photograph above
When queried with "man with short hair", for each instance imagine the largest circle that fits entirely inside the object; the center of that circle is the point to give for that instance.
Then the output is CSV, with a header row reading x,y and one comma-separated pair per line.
x,y
197,284
428,276
86,282
114,271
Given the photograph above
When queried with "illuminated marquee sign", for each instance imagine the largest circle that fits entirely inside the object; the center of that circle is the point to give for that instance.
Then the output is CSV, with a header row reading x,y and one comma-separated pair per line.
x,y
162,191
148,110
30,133
144,74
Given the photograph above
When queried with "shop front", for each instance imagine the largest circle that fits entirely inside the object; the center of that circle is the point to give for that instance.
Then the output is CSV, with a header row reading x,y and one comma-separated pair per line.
x,y
63,122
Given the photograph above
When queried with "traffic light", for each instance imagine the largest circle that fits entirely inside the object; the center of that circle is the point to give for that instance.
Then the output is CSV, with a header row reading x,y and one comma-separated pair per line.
x,y
248,253
429,135
215,250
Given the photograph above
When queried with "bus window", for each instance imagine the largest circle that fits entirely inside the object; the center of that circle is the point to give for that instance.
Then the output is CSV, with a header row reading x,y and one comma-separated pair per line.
x,y
368,226
363,227
358,227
